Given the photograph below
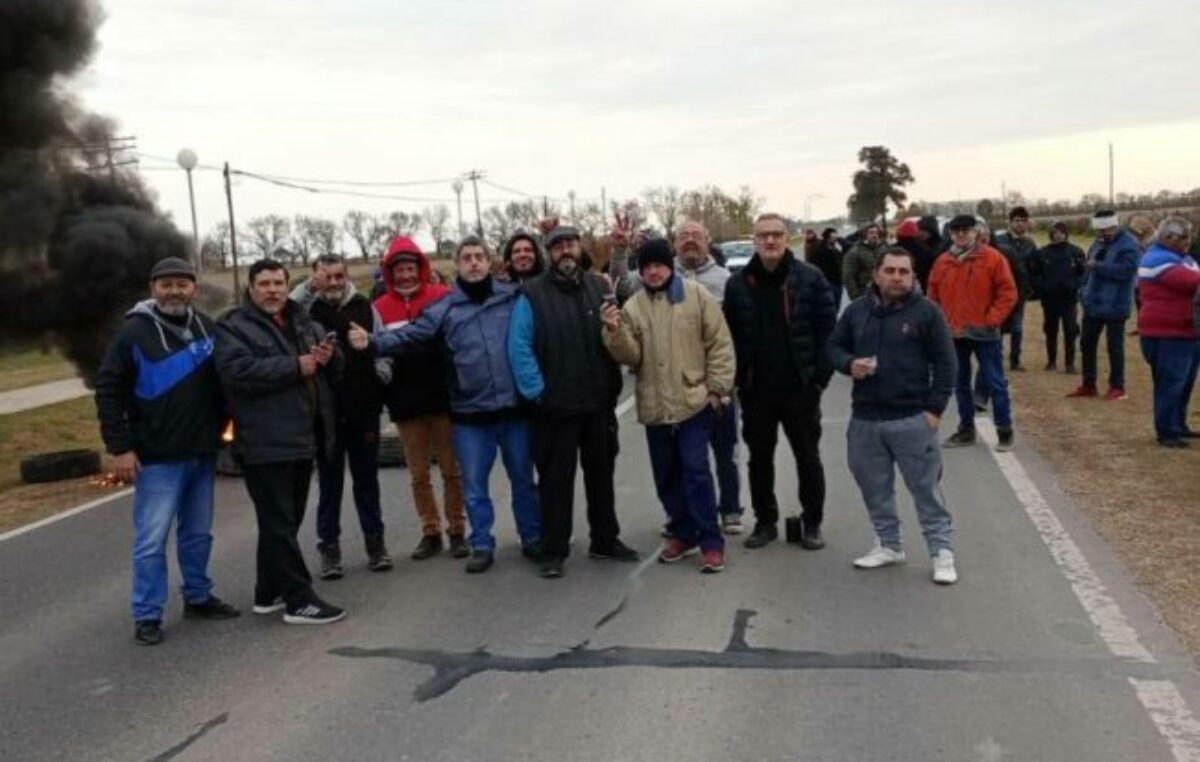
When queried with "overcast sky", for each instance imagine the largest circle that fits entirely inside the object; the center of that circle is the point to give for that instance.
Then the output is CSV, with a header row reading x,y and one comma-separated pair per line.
x,y
553,96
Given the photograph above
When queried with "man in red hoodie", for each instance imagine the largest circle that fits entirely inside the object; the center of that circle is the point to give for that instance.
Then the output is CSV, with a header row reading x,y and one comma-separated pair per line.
x,y
418,401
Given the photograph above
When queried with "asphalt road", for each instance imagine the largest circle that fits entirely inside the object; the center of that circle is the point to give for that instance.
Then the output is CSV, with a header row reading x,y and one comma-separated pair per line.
x,y
1043,651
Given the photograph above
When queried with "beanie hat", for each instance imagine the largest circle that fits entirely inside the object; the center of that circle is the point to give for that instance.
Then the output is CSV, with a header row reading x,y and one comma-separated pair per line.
x,y
962,221
656,250
1061,227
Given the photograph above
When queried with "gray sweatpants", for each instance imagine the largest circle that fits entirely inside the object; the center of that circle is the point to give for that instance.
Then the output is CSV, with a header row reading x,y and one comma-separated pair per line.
x,y
875,449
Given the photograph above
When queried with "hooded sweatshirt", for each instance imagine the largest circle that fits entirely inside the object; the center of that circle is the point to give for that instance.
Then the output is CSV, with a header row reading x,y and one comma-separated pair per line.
x,y
157,391
417,386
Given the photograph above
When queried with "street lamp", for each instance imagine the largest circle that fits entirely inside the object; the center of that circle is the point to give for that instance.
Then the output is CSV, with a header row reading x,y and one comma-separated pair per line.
x,y
458,189
571,197
187,160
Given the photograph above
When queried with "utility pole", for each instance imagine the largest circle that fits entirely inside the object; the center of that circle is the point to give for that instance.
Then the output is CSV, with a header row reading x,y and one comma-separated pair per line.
x,y
1004,199
545,206
1110,173
603,203
237,287
458,189
571,196
475,176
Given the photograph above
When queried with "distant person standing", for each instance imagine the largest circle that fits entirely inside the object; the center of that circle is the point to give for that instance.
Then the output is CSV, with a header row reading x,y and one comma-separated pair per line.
x,y
859,263
1054,273
1107,297
160,408
827,258
1169,281
1019,247
973,285
897,347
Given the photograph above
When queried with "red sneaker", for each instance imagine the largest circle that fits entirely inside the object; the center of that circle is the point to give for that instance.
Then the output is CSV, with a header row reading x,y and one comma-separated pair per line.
x,y
1115,395
712,561
1083,391
675,549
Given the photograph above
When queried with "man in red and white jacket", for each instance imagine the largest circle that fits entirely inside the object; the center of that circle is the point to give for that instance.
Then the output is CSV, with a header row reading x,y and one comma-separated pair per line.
x,y
418,401
1168,279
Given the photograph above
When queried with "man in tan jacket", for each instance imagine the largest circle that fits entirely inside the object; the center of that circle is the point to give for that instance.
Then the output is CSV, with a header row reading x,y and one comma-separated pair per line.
x,y
672,333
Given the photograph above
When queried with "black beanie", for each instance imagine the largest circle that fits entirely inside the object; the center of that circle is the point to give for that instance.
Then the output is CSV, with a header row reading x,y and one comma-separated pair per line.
x,y
656,250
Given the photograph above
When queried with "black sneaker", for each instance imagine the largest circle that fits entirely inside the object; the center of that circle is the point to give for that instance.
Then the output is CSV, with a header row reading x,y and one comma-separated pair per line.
x,y
550,568
960,438
532,552
617,551
458,546
331,560
1051,366
213,608
812,539
378,558
429,546
1174,444
763,535
148,632
481,561
313,611
1004,439
1070,369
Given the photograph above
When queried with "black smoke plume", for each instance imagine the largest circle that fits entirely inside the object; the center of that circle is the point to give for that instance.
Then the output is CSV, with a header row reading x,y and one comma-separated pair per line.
x,y
78,235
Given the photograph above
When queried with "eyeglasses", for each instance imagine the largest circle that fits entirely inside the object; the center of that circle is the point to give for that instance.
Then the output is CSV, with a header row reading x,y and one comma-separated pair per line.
x,y
770,234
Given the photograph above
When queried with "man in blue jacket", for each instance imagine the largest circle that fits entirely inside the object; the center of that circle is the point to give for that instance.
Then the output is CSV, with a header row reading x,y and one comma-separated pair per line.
x,y
898,348
160,408
560,364
1107,298
470,326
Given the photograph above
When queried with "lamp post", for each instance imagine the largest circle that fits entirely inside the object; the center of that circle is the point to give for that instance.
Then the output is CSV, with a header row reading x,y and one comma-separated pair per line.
x,y
571,197
458,189
187,161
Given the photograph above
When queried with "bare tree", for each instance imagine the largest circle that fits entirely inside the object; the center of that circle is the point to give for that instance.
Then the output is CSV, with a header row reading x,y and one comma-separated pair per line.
x,y
436,218
367,231
401,223
666,204
313,236
268,233
590,218
214,249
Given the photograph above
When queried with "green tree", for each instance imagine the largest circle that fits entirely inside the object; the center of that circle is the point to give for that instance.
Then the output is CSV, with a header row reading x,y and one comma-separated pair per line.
x,y
882,179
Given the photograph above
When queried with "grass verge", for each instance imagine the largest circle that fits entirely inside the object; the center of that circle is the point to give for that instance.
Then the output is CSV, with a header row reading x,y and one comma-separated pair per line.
x,y
32,367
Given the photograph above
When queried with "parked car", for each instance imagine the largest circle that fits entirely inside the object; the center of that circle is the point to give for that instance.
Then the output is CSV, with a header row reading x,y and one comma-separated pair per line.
x,y
737,253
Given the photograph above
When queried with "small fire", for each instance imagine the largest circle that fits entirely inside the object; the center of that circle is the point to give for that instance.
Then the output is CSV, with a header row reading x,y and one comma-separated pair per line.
x,y
227,434
109,479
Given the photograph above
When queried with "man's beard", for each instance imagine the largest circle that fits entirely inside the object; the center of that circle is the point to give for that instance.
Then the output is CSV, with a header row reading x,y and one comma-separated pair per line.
x,y
334,295
172,307
567,266
272,309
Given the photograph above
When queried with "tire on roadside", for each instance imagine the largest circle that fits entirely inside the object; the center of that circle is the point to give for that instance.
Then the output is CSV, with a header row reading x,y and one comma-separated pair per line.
x,y
59,465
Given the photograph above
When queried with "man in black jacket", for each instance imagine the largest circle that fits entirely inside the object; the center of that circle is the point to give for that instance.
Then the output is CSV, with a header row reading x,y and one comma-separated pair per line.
x,y
160,409
559,363
1055,272
897,347
332,301
827,258
781,314
276,365
1018,248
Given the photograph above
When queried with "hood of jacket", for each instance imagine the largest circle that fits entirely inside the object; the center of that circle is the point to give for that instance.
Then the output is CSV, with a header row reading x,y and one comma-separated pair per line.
x,y
184,332
403,245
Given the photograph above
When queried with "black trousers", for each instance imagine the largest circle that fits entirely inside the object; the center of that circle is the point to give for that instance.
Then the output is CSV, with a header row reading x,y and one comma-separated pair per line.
x,y
1089,346
1060,312
559,444
280,492
799,413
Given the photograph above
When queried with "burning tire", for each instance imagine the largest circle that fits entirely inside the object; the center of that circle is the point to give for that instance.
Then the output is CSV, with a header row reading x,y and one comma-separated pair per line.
x,y
57,466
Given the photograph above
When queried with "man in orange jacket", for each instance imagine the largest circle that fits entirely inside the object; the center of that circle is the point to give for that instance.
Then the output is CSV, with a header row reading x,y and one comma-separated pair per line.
x,y
974,286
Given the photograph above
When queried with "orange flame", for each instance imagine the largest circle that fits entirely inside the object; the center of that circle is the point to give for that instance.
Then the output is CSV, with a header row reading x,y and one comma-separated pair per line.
x,y
227,434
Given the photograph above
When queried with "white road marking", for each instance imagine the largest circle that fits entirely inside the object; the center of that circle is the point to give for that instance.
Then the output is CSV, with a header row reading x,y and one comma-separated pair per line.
x,y
65,514
626,406
1161,699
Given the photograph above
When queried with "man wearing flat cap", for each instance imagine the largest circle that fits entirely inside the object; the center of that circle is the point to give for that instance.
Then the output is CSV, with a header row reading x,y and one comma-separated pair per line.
x,y
561,366
160,407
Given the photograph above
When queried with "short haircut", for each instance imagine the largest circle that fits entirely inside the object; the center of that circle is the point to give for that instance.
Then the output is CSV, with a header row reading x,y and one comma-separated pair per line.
x,y
870,225
328,260
769,216
267,264
1018,213
1175,227
897,251
471,240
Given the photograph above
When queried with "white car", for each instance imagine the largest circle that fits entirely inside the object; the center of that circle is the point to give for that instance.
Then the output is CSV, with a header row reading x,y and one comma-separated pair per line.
x,y
737,254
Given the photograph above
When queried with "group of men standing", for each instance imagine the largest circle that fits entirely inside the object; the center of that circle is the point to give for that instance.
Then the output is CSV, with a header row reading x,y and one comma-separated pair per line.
x,y
526,368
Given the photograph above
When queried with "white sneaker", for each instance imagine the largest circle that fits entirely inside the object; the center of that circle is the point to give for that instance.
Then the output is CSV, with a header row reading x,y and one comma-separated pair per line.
x,y
944,572
879,556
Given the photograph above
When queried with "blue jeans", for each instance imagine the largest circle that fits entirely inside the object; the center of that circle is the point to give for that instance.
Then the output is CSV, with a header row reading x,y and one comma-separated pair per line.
x,y
683,480
990,355
358,441
724,448
476,445
179,491
876,449
1172,365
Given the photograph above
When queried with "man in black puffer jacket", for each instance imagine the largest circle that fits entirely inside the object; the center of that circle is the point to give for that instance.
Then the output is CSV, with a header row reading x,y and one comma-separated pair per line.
x,y
1055,271
780,313
332,301
277,368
